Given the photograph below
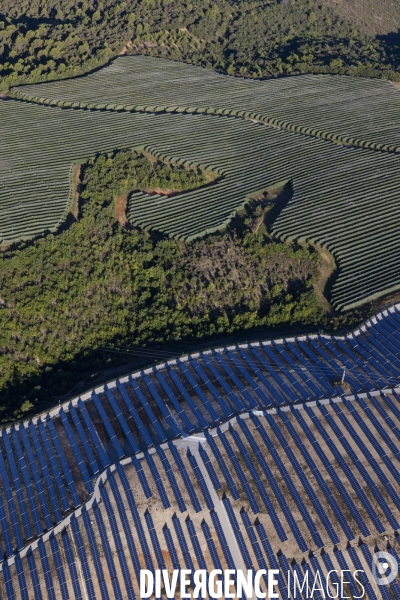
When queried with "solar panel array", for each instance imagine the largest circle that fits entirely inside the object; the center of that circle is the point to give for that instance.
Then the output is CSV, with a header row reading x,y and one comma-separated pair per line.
x,y
304,482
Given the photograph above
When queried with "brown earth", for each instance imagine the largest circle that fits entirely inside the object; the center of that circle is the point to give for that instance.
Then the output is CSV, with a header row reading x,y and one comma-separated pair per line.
x,y
328,267
76,183
120,209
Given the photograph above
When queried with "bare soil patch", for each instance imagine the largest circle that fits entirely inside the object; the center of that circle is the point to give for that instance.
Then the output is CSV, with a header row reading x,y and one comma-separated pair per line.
x,y
125,49
76,184
120,209
327,269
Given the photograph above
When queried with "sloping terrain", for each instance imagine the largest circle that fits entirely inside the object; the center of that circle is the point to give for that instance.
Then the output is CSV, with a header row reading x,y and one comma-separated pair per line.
x,y
351,209
247,457
354,110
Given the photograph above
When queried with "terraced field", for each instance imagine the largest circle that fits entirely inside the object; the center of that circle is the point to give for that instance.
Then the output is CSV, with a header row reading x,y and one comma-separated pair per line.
x,y
340,107
345,195
350,207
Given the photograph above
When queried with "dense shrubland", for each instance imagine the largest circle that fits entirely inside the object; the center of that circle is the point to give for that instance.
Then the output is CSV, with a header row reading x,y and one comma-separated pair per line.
x,y
257,38
64,298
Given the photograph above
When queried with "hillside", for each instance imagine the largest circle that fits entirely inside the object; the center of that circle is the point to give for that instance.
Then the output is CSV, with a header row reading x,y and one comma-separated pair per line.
x,y
70,301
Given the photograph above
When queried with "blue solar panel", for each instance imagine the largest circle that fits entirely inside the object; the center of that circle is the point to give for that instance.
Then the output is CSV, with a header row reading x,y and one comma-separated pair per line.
x,y
8,581
195,544
112,573
210,469
33,506
23,588
383,432
121,420
239,472
185,477
18,489
373,463
224,469
149,411
246,375
136,518
175,403
332,473
142,477
109,428
158,481
281,391
222,540
54,467
154,540
10,503
182,543
260,486
319,478
363,472
5,529
135,416
211,546
288,481
274,485
343,565
200,479
81,550
84,440
49,586
238,534
198,391
237,403
216,395
95,555
171,548
36,478
105,461
59,568
235,379
37,592
176,431
306,484
130,594
126,527
77,453
63,463
360,493
171,478
69,555
188,399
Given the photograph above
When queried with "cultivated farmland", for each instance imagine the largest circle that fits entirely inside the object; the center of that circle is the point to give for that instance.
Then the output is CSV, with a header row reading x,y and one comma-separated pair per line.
x,y
356,111
344,198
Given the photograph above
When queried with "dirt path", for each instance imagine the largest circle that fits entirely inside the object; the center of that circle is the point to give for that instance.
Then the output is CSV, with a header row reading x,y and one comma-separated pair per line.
x,y
76,182
125,49
328,267
120,209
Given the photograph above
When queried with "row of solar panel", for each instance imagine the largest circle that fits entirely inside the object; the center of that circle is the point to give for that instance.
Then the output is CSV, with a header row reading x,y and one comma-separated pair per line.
x,y
347,459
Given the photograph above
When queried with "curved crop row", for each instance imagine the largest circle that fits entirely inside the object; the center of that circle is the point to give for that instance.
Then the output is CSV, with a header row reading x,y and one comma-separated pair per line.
x,y
281,124
353,111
